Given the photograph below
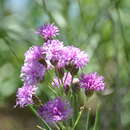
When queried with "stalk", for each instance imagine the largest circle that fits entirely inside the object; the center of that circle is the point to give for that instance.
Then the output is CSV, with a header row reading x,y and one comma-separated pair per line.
x,y
88,116
35,112
78,118
96,119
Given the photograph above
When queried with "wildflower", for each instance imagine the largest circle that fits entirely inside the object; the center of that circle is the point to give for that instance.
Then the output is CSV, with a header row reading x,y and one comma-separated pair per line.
x,y
72,56
34,54
48,31
55,110
32,73
24,95
52,49
92,82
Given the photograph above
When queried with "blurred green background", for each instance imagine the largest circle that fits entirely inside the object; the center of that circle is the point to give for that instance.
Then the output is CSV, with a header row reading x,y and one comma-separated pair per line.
x,y
101,27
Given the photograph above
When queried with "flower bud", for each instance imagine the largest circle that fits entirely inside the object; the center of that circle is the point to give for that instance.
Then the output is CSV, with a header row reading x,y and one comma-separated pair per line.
x,y
36,100
67,88
42,61
76,87
89,93
54,61
60,72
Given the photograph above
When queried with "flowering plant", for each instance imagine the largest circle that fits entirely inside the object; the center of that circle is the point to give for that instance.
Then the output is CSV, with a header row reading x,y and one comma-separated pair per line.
x,y
66,105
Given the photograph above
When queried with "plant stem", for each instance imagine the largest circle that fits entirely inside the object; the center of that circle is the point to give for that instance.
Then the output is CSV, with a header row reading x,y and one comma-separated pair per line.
x,y
78,118
88,115
96,118
52,90
40,127
58,128
35,112
65,77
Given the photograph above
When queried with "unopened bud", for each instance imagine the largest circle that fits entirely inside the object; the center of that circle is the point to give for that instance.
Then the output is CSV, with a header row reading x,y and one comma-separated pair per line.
x,y
36,100
67,88
54,61
89,93
42,61
60,72
76,87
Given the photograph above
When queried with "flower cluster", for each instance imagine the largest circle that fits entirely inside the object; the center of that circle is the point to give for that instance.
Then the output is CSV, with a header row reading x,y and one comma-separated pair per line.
x,y
32,72
55,110
66,61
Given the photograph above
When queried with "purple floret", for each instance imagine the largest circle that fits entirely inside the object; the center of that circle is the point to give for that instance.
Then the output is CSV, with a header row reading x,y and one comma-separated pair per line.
x,y
74,56
34,54
24,95
53,50
92,81
32,73
33,70
48,31
55,110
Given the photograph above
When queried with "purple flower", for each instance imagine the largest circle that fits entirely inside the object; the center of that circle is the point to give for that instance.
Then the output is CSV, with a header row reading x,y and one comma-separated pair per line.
x,y
92,81
24,95
34,54
53,49
32,73
66,80
33,70
74,56
48,31
55,110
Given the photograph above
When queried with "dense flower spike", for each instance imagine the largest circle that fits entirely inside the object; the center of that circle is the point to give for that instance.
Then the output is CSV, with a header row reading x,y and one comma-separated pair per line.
x,y
66,80
48,31
92,81
24,95
65,62
55,110
74,56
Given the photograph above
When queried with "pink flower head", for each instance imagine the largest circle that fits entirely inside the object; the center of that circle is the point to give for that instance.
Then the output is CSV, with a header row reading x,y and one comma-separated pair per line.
x,y
32,73
74,56
48,31
55,110
53,50
92,81
25,94
33,54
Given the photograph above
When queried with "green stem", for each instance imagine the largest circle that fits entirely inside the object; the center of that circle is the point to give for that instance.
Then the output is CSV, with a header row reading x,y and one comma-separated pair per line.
x,y
40,127
58,128
88,115
35,112
66,77
52,90
96,118
78,118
